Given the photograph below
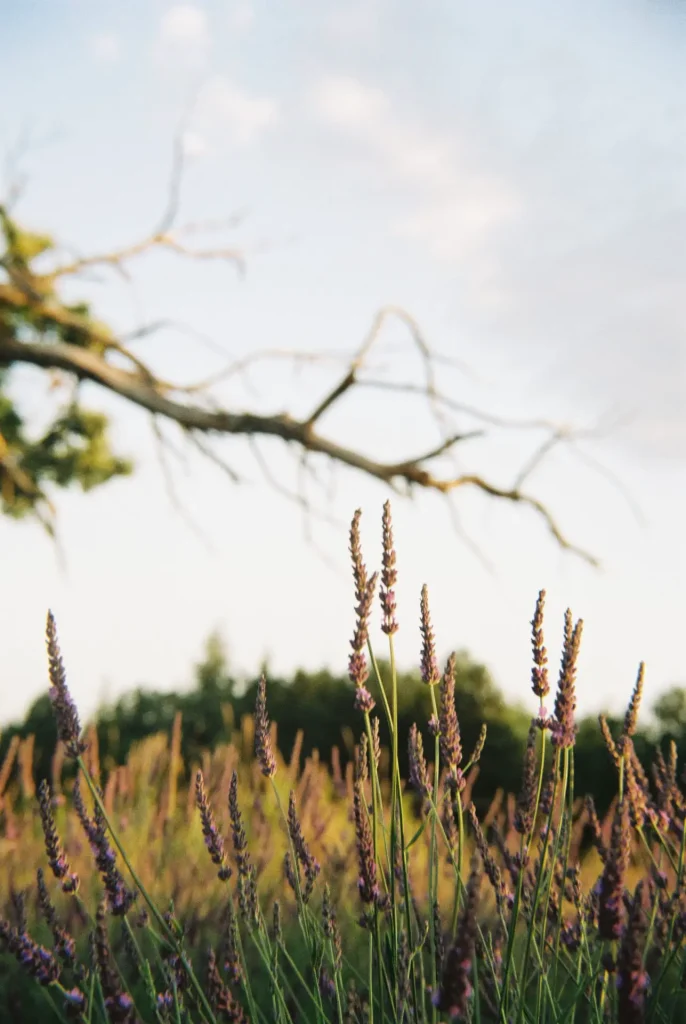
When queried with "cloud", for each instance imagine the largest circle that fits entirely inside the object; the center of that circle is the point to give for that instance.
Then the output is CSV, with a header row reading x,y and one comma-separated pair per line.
x,y
453,204
354,22
558,211
241,16
194,145
105,47
227,111
184,34
349,104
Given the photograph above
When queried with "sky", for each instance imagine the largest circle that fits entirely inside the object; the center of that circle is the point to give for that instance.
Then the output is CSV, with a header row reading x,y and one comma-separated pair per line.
x,y
511,175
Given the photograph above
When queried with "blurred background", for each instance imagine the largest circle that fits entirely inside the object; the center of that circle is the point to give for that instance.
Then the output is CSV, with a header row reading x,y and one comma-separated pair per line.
x,y
270,177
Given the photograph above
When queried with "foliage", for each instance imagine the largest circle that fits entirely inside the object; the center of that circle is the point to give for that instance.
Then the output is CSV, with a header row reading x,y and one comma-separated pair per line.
x,y
319,705
74,448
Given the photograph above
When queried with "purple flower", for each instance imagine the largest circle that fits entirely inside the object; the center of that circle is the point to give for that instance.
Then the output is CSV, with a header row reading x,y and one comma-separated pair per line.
x,y
231,945
455,988
65,947
631,717
363,700
263,743
367,882
57,858
330,928
540,683
389,574
419,773
76,1002
221,999
327,986
564,730
310,864
66,714
492,870
429,664
119,896
38,961
213,840
118,1002
247,886
450,741
524,814
365,588
611,882
633,980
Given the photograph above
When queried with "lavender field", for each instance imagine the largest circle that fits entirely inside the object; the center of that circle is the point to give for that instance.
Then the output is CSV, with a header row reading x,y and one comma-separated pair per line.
x,y
246,888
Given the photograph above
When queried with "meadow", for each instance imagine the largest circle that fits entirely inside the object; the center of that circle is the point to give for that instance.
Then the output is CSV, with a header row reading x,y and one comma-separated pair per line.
x,y
250,888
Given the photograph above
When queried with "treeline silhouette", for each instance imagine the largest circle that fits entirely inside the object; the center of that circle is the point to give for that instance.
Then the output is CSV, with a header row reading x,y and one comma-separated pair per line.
x,y
321,704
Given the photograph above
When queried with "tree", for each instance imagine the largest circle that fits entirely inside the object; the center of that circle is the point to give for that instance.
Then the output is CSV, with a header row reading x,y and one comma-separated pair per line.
x,y
670,712
39,327
212,673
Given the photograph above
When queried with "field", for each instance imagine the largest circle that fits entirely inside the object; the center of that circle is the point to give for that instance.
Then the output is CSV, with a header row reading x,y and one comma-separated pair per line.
x,y
249,888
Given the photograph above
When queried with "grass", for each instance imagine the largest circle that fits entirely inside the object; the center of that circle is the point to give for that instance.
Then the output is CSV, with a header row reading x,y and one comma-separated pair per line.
x,y
247,888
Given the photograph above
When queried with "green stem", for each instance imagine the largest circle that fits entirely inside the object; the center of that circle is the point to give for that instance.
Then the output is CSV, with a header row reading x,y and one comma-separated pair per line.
x,y
537,893
202,998
665,967
569,756
433,862
556,849
401,816
376,804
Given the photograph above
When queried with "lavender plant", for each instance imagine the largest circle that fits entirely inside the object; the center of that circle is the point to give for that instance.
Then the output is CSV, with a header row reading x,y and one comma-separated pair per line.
x,y
515,939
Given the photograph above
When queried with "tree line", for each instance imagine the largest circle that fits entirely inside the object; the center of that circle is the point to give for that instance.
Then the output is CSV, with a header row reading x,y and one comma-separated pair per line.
x,y
321,704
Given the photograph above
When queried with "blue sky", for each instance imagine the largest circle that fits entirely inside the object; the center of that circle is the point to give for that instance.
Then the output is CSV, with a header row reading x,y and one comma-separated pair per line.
x,y
512,175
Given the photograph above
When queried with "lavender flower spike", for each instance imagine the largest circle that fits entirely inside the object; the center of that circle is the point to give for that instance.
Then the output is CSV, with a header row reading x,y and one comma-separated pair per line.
x,y
247,885
37,960
419,773
633,980
524,814
449,735
389,575
213,840
359,568
455,990
564,729
309,863
611,882
540,683
263,743
57,858
367,883
365,588
631,717
430,671
118,1003
66,714
364,596
65,947
120,898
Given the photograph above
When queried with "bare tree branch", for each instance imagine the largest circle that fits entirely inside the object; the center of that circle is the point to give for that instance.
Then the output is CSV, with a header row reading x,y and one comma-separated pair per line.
x,y
162,447
376,384
139,389
92,353
162,240
199,442
467,540
300,499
